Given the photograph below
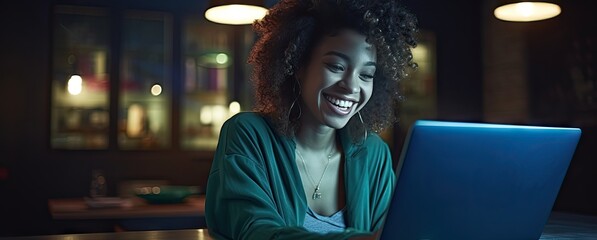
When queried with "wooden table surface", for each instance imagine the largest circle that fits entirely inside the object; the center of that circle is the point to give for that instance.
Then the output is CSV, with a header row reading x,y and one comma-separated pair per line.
x,y
78,209
570,226
187,234
560,225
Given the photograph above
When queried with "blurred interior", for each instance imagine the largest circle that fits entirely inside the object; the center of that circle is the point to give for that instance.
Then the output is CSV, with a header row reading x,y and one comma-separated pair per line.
x,y
137,90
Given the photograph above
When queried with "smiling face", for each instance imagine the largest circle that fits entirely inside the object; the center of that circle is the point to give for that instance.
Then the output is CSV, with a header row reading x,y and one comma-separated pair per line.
x,y
337,81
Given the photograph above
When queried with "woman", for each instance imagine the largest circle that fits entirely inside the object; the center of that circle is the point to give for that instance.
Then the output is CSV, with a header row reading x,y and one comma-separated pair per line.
x,y
308,163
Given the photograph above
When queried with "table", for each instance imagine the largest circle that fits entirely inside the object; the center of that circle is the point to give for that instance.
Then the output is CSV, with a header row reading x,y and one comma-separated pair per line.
x,y
77,216
187,234
77,209
570,226
560,225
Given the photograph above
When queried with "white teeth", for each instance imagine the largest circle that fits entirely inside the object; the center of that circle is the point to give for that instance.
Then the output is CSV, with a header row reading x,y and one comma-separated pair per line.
x,y
339,102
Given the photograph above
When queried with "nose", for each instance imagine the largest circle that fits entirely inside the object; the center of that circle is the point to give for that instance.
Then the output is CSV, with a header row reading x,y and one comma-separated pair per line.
x,y
350,82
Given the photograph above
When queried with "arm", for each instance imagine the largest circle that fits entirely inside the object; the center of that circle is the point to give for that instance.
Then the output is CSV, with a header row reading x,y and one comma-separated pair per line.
x,y
371,179
383,186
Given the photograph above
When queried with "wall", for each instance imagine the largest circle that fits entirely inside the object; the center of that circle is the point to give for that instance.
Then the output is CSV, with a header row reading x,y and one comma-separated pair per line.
x,y
563,77
457,27
543,73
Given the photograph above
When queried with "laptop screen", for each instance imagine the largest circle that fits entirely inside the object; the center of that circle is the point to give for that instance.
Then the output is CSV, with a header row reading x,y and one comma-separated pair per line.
x,y
460,180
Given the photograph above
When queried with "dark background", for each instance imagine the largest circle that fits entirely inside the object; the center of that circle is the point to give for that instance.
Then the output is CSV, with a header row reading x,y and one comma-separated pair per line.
x,y
465,32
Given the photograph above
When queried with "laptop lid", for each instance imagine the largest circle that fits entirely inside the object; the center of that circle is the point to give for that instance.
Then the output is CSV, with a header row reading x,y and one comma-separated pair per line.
x,y
460,180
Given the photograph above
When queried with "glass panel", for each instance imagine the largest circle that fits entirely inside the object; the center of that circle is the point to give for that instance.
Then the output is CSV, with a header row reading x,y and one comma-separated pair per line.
x,y
80,79
420,88
209,52
145,81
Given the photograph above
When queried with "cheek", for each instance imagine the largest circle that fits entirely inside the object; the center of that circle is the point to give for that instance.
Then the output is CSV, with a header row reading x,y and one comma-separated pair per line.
x,y
326,79
315,83
366,93
312,78
310,91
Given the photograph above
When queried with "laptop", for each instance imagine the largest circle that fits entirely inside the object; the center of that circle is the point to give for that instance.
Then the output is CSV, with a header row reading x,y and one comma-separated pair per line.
x,y
458,180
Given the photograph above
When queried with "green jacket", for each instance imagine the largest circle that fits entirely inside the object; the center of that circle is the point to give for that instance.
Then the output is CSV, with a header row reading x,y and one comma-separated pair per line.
x,y
254,190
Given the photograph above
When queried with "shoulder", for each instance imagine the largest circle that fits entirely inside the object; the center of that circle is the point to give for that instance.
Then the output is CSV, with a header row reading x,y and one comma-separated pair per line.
x,y
376,147
248,126
247,120
373,149
246,117
249,136
373,143
377,157
374,139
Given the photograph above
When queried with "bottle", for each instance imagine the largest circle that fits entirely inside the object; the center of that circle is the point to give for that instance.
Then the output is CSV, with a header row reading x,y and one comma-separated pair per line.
x,y
98,184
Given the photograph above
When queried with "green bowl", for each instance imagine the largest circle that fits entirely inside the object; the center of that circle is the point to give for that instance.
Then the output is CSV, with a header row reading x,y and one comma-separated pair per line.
x,y
166,194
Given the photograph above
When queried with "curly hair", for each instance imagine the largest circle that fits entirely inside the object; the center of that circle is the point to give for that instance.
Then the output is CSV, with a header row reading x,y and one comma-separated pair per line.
x,y
292,28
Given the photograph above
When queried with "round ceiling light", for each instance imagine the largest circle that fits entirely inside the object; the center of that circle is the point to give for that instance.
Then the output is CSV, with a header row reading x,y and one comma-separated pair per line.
x,y
235,14
527,11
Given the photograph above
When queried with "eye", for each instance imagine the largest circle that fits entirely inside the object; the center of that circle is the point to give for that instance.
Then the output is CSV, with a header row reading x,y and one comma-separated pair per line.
x,y
367,77
335,67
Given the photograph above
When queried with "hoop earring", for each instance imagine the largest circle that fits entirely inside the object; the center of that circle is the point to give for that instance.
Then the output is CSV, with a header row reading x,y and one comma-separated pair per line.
x,y
300,112
364,127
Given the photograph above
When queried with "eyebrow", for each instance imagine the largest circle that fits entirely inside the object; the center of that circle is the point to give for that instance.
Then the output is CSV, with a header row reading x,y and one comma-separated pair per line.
x,y
346,58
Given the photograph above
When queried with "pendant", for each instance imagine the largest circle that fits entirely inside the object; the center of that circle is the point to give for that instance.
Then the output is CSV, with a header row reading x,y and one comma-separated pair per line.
x,y
316,193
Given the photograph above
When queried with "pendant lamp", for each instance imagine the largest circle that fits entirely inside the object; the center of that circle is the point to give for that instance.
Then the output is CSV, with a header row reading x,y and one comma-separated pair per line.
x,y
526,11
235,12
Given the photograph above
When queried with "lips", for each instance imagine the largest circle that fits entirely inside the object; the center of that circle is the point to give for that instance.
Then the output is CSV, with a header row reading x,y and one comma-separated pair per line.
x,y
340,104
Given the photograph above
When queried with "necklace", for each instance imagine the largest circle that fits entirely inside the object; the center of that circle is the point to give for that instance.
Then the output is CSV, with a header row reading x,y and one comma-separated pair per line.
x,y
316,192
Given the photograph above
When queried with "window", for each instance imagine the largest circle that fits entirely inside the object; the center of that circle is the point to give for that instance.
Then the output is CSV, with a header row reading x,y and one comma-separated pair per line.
x,y
145,92
80,78
171,87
